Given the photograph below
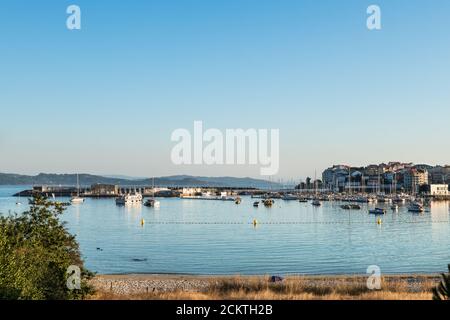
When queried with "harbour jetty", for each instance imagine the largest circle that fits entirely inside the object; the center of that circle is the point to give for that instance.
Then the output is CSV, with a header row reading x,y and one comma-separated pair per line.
x,y
230,194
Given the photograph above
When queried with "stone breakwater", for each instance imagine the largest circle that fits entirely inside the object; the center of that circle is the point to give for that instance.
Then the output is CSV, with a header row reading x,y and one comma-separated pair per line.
x,y
138,285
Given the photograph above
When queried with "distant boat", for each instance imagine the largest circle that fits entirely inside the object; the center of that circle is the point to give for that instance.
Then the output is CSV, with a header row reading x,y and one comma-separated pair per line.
x,y
399,200
315,202
268,202
18,203
289,197
416,207
302,200
256,203
351,207
129,199
77,198
378,211
384,199
238,200
365,199
394,207
152,203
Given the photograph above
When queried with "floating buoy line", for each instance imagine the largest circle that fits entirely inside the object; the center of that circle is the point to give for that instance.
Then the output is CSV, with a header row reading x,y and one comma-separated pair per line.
x,y
255,222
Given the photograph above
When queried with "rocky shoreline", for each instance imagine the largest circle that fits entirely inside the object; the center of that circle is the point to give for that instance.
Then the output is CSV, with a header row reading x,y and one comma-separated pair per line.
x,y
136,284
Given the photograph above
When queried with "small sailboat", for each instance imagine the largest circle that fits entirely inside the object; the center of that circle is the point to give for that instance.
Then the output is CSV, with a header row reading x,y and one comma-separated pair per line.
x,y
152,202
316,201
18,203
77,198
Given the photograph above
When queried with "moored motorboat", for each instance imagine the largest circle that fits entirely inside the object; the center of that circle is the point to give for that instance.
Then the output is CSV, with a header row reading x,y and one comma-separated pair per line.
x,y
416,207
152,203
351,207
316,203
256,203
378,211
129,199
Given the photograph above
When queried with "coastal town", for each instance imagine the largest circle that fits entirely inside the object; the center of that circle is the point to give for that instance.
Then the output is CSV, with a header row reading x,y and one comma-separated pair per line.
x,y
391,182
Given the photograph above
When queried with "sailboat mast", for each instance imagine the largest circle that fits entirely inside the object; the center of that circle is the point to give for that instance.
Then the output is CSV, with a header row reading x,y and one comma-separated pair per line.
x,y
78,186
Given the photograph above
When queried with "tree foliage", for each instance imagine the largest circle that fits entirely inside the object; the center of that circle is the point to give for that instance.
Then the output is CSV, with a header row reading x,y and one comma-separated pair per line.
x,y
35,251
442,291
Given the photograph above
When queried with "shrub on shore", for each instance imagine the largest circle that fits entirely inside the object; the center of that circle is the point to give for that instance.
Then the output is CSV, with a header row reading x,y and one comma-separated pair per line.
x,y
35,252
442,291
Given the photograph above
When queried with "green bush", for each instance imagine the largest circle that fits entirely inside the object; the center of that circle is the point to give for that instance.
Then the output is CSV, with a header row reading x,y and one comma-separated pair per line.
x,y
442,291
35,251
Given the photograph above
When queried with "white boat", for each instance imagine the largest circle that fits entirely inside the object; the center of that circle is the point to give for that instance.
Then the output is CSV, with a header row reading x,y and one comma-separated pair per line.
x,y
77,199
316,203
129,199
394,207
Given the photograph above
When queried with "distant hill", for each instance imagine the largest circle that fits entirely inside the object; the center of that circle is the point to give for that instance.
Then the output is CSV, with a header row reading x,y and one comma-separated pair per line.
x,y
171,181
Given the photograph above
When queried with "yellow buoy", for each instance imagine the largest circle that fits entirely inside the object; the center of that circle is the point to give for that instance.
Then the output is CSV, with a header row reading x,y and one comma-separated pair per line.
x,y
255,222
142,222
379,221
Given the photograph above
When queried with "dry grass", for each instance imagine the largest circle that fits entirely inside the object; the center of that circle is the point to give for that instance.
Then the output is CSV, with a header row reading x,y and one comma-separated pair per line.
x,y
296,288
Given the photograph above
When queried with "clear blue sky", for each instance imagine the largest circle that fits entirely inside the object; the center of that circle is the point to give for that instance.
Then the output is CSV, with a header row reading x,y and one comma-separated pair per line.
x,y
105,99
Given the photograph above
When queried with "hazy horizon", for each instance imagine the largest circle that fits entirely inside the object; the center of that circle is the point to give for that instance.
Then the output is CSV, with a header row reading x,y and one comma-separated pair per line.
x,y
105,99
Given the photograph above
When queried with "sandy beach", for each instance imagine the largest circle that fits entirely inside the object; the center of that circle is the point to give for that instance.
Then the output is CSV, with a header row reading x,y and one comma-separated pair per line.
x,y
151,286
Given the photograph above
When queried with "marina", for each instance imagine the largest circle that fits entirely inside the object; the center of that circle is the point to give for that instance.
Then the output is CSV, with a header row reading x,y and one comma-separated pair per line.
x,y
185,235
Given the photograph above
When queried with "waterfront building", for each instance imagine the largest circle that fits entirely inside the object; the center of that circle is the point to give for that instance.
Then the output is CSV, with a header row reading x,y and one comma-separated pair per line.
x,y
100,189
439,175
439,190
191,191
414,178
335,178
386,178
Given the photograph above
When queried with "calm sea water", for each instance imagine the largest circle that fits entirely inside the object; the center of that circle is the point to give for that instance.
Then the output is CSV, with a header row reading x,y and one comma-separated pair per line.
x,y
215,237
